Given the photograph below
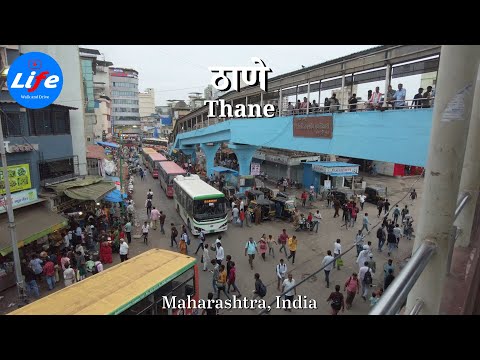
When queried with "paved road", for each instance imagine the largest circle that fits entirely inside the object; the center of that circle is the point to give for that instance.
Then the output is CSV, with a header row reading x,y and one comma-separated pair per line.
x,y
312,247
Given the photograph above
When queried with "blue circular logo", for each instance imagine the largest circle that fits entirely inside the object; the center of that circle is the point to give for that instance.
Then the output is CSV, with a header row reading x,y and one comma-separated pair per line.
x,y
35,80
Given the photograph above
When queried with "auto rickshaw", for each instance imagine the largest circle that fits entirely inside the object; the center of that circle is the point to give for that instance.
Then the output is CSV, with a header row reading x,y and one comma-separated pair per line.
x,y
284,207
268,193
229,192
254,195
267,206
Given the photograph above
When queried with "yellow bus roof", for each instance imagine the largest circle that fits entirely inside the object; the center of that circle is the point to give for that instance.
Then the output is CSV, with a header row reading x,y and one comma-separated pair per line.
x,y
115,289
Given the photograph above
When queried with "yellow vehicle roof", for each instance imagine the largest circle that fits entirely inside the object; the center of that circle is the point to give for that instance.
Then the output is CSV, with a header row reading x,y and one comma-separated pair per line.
x,y
115,289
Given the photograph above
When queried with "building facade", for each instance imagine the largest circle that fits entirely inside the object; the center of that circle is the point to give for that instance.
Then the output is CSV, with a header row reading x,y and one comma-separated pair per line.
x,y
125,102
146,101
96,85
72,96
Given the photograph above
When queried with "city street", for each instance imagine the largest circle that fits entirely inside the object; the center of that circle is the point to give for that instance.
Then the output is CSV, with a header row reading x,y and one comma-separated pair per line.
x,y
312,247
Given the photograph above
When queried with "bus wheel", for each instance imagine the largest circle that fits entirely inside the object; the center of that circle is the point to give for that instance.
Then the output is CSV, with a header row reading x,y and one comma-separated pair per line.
x,y
188,225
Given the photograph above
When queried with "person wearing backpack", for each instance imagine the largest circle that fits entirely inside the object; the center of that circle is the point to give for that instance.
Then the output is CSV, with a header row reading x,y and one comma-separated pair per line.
x,y
148,205
281,270
336,301
150,194
352,287
366,279
260,288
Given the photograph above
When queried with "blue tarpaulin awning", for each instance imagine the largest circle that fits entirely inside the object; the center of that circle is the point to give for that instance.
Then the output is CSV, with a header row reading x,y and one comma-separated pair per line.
x,y
344,174
109,144
221,169
114,196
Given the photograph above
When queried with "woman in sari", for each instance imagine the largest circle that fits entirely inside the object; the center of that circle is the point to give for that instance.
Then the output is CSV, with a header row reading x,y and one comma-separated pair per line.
x,y
106,252
182,245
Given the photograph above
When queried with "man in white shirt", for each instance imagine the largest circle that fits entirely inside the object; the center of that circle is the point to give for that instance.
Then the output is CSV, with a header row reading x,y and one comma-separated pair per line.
x,y
363,256
235,212
281,270
145,228
316,222
359,241
288,284
123,250
327,265
218,241
220,254
66,240
337,250
362,200
397,232
154,216
242,205
365,284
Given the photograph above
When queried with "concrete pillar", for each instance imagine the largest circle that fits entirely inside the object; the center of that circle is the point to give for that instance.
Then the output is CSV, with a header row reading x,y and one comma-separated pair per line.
x,y
280,103
289,170
209,151
342,100
470,179
451,114
308,98
244,155
261,99
388,75
190,152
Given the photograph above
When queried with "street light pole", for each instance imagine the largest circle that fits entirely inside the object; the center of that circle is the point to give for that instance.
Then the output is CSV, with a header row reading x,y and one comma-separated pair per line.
x,y
11,220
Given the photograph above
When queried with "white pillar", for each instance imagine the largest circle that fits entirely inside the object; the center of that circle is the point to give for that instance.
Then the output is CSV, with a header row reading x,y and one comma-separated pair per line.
x,y
342,100
470,179
387,83
261,99
280,103
457,71
308,97
246,101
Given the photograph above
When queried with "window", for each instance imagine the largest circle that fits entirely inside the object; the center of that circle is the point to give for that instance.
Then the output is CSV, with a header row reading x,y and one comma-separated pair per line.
x,y
125,84
61,122
124,93
40,122
125,101
12,124
58,168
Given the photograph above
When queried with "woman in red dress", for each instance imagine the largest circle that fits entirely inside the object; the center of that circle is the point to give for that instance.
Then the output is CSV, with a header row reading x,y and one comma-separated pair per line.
x,y
106,252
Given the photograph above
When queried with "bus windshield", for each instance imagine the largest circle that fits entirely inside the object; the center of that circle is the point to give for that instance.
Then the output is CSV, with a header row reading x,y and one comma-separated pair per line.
x,y
209,209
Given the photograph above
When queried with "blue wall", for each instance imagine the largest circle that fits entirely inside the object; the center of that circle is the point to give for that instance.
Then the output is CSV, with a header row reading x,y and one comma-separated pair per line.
x,y
399,136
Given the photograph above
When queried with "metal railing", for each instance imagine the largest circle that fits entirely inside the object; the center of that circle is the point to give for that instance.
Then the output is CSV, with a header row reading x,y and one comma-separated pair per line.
x,y
395,296
338,108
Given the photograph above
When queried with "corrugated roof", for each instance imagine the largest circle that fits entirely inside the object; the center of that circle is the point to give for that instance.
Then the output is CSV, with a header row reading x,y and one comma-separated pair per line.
x,y
62,106
89,51
331,163
95,152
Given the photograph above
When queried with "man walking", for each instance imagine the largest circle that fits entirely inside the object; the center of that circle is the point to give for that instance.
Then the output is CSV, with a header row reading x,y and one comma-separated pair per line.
x,y
359,241
123,250
396,214
145,228
281,270
250,250
365,275
173,235
235,213
128,231
155,215
148,206
282,240
162,222
292,246
336,252
220,255
327,264
289,290
201,237
365,223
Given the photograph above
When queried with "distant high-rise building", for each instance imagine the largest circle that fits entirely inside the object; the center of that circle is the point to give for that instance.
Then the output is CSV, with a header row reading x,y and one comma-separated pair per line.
x,y
146,102
125,103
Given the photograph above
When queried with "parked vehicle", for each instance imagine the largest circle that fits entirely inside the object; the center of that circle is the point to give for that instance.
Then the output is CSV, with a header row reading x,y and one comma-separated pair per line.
x,y
284,207
229,192
342,195
254,195
267,206
375,194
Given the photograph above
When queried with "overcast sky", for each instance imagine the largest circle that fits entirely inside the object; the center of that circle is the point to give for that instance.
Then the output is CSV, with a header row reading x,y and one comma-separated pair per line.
x,y
176,70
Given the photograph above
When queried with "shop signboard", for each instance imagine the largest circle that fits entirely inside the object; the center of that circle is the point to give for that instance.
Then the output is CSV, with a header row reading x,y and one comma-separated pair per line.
x,y
313,126
20,198
335,170
255,169
19,178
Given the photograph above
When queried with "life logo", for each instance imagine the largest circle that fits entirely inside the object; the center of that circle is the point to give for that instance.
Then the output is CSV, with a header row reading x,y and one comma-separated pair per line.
x,y
35,80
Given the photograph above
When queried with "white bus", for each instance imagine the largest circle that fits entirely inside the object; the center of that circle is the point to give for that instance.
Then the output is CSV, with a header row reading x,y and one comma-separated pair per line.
x,y
200,205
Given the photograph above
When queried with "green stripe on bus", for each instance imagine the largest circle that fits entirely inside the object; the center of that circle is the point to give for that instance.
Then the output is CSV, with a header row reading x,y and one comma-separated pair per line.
x,y
206,197
152,289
